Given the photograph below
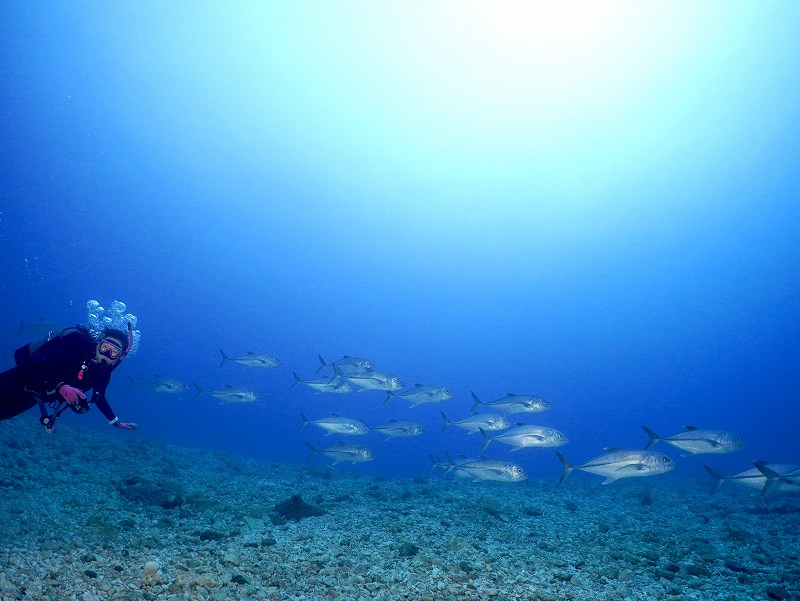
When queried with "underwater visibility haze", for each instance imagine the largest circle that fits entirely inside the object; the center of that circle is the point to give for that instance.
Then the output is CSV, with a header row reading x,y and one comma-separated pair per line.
x,y
592,206
591,203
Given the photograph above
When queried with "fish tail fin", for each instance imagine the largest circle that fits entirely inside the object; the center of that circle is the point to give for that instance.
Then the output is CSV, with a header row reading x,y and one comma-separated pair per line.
x,y
322,364
654,438
477,404
389,395
296,379
450,463
719,479
313,451
305,421
773,477
434,463
131,382
567,467
447,422
200,391
486,439
225,358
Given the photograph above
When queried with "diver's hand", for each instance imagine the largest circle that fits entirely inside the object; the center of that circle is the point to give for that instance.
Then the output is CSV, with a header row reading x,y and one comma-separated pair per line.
x,y
71,394
125,425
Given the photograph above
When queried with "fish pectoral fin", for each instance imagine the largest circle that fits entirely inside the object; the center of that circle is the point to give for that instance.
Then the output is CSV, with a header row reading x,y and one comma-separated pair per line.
x,y
609,480
633,467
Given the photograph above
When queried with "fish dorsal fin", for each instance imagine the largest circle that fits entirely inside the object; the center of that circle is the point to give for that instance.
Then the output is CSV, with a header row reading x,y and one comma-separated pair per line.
x,y
691,428
510,394
392,420
611,449
250,353
763,467
334,414
227,386
520,424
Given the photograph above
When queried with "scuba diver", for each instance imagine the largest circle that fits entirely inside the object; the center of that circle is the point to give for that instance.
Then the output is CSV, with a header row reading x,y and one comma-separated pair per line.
x,y
56,373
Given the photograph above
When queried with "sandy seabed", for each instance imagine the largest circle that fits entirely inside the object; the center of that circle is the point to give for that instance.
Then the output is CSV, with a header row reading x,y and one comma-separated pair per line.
x,y
95,517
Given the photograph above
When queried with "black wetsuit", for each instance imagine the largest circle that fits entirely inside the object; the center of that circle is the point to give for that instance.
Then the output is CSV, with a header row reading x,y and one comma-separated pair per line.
x,y
68,358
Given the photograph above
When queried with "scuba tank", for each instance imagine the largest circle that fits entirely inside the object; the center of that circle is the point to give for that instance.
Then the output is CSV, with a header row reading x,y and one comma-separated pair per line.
x,y
22,356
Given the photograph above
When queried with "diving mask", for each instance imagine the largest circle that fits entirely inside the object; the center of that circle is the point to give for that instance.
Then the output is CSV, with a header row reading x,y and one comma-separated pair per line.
x,y
109,348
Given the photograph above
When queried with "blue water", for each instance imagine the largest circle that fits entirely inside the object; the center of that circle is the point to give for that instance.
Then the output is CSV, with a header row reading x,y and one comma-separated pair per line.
x,y
593,204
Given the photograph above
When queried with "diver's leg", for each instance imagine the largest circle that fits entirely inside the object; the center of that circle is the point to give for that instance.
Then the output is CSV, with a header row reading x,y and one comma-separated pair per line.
x,y
14,399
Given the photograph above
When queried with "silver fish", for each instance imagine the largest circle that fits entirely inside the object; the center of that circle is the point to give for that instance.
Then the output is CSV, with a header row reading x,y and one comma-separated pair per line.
x,y
694,441
326,385
489,469
347,365
336,424
513,403
420,394
251,359
779,476
616,464
482,421
39,328
397,428
374,380
527,435
230,394
344,452
159,384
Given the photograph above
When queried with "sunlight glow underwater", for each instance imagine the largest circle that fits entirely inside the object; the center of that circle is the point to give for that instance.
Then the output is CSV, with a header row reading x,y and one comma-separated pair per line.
x,y
559,100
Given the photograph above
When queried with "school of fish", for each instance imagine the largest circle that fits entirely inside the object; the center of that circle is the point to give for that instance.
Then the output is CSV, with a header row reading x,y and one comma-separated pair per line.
x,y
491,420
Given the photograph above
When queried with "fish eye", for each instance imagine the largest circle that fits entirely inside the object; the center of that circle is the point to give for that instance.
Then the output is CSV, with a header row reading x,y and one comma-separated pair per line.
x,y
666,460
